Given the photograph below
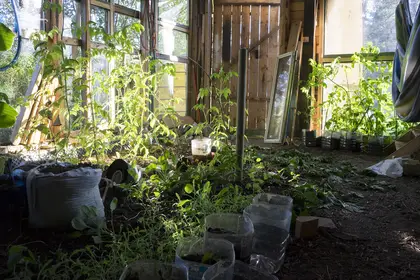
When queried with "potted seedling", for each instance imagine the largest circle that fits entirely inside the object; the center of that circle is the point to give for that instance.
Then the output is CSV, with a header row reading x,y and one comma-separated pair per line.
x,y
235,228
198,255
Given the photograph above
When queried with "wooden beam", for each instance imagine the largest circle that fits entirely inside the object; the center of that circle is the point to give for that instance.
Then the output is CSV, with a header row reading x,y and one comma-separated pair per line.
x,y
247,2
294,36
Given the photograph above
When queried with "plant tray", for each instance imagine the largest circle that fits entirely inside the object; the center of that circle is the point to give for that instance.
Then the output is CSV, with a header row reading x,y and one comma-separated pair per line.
x,y
330,143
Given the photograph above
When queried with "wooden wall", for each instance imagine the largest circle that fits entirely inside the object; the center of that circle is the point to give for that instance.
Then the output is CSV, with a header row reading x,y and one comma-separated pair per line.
x,y
262,27
297,8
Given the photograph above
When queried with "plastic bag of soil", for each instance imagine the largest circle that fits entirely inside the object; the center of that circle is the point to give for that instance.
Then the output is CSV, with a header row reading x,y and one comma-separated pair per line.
x,y
154,270
235,228
270,214
243,271
57,192
268,248
274,199
198,255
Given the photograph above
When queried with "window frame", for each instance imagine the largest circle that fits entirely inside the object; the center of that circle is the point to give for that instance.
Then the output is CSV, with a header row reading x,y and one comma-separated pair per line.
x,y
344,58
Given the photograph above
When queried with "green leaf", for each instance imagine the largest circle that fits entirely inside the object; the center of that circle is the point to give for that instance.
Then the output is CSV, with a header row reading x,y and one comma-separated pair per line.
x,y
156,194
189,188
113,204
15,255
7,115
78,224
6,38
4,97
183,202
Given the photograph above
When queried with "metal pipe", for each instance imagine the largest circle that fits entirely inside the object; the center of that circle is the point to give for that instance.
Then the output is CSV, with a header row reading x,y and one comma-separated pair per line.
x,y
241,105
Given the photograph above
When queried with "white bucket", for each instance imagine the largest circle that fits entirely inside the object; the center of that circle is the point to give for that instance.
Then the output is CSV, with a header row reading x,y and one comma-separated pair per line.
x,y
201,147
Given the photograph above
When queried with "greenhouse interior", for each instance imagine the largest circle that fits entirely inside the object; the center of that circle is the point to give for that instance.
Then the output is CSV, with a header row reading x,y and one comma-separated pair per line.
x,y
210,139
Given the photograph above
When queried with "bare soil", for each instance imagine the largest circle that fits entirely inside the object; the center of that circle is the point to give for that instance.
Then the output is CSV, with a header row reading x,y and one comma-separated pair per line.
x,y
382,242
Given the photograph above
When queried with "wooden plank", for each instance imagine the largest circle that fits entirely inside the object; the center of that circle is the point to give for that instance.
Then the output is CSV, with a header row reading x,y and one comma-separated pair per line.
x,y
217,38
236,42
273,52
297,15
297,6
254,72
294,36
247,2
284,23
227,31
407,150
25,112
245,35
263,91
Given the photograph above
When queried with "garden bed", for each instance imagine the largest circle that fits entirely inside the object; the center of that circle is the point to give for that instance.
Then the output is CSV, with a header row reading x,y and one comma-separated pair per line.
x,y
377,218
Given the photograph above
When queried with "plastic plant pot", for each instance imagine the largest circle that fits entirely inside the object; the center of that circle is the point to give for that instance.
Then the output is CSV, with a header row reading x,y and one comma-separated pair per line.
x,y
269,248
274,199
198,255
269,214
242,271
154,270
235,228
201,147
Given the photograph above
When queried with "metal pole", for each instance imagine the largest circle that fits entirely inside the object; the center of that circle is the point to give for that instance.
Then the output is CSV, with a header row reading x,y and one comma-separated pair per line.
x,y
241,105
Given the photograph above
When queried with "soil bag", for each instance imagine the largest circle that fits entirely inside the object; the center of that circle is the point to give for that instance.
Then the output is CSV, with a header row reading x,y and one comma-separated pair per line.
x,y
274,199
235,228
269,214
199,255
57,192
154,270
269,248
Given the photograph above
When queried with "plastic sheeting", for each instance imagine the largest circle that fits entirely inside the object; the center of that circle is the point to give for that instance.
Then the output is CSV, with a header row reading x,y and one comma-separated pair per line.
x,y
406,75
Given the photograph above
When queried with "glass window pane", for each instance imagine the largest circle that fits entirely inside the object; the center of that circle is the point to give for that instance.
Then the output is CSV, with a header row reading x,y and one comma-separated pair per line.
x,y
172,91
278,109
174,11
121,21
29,13
72,18
172,42
100,17
349,25
133,4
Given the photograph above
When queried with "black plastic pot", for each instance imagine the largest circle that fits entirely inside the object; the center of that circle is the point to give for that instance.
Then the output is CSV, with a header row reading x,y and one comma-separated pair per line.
x,y
309,138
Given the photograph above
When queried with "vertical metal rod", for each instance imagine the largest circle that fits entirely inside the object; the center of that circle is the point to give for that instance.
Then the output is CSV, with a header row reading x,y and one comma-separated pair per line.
x,y
241,105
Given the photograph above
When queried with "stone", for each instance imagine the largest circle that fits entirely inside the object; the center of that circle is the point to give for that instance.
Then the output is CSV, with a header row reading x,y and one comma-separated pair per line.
x,y
306,227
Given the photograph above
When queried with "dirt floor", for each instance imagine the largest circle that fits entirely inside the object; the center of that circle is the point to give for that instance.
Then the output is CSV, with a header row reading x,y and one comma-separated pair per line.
x,y
382,242
378,240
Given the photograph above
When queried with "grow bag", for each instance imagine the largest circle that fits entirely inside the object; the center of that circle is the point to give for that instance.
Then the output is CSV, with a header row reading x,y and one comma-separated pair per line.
x,y
56,193
406,72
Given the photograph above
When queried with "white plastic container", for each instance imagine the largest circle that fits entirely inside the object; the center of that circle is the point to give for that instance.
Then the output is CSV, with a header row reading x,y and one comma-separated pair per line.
x,y
201,146
274,199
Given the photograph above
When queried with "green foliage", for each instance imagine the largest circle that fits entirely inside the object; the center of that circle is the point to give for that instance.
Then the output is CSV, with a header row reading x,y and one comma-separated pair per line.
x,y
7,115
365,107
117,117
217,124
6,38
